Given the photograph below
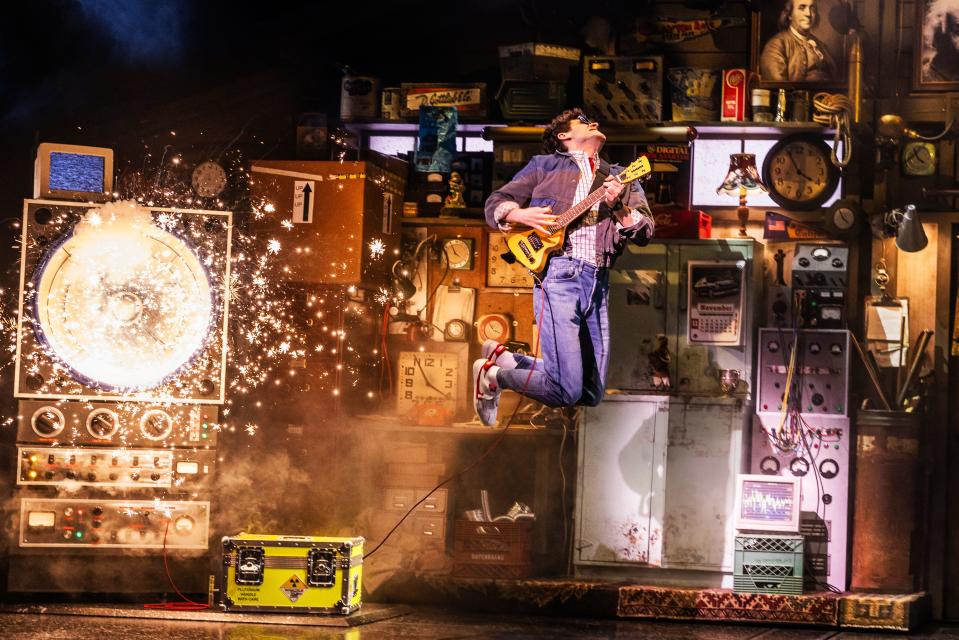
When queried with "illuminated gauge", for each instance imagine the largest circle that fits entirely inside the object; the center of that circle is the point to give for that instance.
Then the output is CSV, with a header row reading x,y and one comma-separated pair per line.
x,y
493,326
836,349
121,302
184,525
829,468
156,424
769,466
820,253
47,422
773,346
815,348
103,423
799,467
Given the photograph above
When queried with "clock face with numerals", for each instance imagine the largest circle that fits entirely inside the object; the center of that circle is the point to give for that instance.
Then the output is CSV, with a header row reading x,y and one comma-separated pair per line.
x,y
799,173
499,273
427,380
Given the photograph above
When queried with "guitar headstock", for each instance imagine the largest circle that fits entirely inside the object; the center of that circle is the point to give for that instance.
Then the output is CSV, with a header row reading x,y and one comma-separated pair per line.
x,y
639,168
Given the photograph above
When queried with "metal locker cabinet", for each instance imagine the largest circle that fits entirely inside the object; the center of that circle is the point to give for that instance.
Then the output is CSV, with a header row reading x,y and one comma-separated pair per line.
x,y
620,499
637,315
704,453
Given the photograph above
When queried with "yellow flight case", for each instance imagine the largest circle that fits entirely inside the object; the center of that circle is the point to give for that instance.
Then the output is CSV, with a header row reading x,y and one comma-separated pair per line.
x,y
292,573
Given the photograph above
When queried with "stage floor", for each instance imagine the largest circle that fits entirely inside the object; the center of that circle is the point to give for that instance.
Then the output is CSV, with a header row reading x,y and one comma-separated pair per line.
x,y
417,622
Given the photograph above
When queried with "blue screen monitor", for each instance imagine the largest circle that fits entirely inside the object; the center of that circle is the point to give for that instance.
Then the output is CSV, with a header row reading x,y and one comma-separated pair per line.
x,y
73,172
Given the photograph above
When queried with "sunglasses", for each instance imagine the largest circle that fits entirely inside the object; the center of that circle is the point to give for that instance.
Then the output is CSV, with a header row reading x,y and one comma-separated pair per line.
x,y
585,120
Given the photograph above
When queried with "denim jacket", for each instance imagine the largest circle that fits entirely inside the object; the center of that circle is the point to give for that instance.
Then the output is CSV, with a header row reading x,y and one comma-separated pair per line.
x,y
550,181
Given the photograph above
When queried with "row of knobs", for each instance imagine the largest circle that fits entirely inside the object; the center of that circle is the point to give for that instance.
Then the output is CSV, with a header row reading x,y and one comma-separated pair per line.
x,y
814,348
102,423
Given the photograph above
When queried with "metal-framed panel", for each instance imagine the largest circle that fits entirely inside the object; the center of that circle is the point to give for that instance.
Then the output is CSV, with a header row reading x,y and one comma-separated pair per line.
x,y
621,490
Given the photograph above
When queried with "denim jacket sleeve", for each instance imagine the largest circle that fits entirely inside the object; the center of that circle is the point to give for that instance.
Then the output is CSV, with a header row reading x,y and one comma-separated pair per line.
x,y
519,190
642,231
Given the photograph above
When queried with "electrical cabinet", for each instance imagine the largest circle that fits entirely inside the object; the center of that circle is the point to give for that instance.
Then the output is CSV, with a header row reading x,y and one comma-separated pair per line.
x,y
697,374
622,453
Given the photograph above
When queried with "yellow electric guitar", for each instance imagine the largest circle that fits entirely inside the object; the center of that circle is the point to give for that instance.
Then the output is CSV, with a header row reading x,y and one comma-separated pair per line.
x,y
531,247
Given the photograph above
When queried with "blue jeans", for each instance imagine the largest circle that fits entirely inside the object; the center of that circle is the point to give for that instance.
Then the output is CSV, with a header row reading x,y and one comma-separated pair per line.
x,y
573,335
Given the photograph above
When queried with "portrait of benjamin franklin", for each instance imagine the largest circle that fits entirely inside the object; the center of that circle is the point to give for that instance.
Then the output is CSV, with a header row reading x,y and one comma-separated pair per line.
x,y
795,54
940,42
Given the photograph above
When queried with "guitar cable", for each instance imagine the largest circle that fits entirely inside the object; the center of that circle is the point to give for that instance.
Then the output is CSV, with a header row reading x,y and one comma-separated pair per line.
x,y
495,443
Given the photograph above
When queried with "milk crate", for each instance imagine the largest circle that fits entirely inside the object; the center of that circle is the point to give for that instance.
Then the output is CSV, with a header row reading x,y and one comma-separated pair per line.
x,y
767,563
493,549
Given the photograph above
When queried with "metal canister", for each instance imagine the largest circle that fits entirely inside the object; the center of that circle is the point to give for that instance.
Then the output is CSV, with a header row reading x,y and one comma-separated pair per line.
x,y
390,103
359,97
761,105
799,106
888,514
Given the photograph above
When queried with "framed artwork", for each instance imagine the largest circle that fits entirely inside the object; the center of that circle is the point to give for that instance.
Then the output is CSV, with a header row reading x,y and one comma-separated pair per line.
x,y
801,43
937,45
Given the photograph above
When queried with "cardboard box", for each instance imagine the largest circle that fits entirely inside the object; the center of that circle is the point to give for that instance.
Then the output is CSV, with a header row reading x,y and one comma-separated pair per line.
x,y
682,223
337,211
735,94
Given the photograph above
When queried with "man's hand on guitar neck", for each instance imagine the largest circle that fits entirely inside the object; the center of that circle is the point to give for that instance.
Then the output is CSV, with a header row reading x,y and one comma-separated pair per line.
x,y
536,217
614,190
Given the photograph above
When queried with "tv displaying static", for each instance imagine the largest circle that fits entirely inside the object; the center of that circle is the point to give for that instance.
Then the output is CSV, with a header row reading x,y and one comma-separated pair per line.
x,y
767,503
73,172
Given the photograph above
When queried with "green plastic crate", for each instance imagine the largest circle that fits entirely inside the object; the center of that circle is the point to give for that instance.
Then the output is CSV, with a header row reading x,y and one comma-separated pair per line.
x,y
768,563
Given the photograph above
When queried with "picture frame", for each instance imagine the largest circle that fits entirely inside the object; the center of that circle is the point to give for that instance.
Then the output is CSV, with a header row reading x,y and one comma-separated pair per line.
x,y
775,49
935,54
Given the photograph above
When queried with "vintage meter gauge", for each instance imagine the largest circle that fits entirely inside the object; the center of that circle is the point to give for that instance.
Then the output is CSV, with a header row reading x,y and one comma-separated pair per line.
x,y
494,326
122,306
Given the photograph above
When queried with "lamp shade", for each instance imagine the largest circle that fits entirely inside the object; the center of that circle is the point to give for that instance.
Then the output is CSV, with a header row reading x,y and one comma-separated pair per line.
x,y
742,174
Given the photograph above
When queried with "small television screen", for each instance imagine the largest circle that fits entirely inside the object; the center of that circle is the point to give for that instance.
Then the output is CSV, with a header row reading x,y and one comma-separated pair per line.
x,y
73,172
767,503
76,172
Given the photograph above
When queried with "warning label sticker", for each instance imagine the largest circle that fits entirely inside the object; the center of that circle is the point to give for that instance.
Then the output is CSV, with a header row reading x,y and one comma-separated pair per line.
x,y
293,588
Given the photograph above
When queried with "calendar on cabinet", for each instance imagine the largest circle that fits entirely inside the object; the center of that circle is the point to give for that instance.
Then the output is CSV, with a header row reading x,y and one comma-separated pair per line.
x,y
715,302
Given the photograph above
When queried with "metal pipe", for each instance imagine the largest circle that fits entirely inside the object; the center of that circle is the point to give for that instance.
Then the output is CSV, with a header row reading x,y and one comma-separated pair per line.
x,y
921,343
873,376
854,86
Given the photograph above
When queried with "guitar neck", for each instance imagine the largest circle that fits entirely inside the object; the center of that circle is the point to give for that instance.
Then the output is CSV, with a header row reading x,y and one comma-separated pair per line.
x,y
576,210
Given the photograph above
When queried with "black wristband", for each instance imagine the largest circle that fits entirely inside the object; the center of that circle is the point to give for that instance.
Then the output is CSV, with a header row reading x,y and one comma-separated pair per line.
x,y
619,206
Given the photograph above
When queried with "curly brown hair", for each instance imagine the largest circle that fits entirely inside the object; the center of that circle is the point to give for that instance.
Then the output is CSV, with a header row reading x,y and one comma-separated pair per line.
x,y
559,124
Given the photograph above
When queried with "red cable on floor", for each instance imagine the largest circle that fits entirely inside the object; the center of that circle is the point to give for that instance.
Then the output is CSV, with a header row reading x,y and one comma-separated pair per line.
x,y
185,604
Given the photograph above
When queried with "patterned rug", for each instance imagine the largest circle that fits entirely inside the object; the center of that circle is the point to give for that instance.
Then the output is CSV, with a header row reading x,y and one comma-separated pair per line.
x,y
723,604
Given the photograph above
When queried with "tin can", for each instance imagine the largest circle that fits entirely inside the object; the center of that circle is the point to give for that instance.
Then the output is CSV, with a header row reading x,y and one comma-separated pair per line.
x,y
391,102
761,105
799,106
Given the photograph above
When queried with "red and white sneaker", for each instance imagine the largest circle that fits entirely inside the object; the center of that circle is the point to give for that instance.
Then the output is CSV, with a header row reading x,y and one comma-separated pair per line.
x,y
486,391
497,354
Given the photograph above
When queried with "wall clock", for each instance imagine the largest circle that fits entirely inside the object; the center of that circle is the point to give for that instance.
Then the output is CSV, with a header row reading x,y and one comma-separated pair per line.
x,y
459,252
208,179
494,326
799,173
919,158
500,273
431,379
844,217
